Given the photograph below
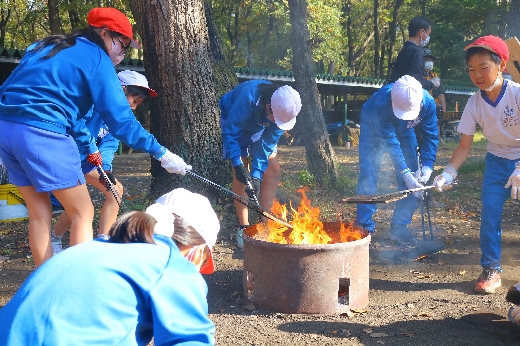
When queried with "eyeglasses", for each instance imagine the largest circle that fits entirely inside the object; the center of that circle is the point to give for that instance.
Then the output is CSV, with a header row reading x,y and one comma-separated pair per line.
x,y
125,48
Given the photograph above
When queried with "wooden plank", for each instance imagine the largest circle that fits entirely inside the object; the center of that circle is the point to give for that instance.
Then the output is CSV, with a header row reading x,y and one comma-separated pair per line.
x,y
513,64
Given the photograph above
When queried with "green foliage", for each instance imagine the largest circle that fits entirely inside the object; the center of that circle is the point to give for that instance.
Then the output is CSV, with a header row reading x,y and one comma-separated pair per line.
x,y
307,179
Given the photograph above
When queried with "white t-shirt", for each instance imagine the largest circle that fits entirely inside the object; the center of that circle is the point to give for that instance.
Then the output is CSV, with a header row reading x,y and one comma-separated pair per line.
x,y
500,122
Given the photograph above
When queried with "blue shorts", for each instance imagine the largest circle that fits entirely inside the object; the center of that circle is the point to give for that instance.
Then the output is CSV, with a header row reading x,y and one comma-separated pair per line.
x,y
34,157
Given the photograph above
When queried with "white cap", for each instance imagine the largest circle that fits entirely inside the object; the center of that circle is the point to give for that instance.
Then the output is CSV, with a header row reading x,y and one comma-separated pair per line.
x,y
133,78
164,218
197,211
286,104
407,95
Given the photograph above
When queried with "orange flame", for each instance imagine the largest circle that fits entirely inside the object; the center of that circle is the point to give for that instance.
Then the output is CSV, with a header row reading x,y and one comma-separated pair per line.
x,y
307,228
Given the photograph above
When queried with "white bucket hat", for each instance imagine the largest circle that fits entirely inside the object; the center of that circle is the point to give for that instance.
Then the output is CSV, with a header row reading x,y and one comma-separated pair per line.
x,y
286,104
133,78
407,95
197,211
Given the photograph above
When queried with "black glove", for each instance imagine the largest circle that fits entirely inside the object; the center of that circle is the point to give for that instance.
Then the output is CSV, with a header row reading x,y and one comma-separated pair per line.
x,y
255,183
242,174
105,183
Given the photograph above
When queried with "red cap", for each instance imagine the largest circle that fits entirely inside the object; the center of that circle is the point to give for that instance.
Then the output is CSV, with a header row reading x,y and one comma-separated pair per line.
x,y
113,19
492,43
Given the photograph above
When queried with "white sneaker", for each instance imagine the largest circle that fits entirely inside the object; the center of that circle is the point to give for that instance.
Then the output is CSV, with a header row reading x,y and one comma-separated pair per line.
x,y
103,236
56,245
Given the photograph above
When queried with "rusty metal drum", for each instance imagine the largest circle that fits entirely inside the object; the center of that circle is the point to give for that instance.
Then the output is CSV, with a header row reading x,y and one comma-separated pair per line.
x,y
306,279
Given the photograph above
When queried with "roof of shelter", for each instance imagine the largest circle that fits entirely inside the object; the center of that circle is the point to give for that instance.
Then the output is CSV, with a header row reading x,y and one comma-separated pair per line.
x,y
326,82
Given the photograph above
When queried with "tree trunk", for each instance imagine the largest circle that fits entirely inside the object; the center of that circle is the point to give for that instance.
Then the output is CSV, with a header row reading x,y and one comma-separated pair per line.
x,y
54,16
4,19
180,62
392,32
513,24
319,151
377,41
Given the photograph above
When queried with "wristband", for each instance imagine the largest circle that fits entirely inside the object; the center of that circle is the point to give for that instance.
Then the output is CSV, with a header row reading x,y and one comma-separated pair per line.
x,y
404,171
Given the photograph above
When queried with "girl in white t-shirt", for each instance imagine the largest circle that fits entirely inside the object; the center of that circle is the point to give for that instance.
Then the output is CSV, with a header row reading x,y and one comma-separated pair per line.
x,y
496,109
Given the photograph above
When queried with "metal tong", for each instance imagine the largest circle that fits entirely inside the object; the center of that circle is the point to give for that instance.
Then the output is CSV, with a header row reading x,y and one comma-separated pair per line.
x,y
253,205
386,198
111,186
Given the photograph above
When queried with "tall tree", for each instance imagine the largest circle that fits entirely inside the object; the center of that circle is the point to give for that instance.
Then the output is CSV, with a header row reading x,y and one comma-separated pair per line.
x,y
179,61
54,16
513,24
319,152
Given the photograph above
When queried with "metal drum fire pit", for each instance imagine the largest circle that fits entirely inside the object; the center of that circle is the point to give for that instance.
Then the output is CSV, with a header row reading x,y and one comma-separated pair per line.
x,y
307,279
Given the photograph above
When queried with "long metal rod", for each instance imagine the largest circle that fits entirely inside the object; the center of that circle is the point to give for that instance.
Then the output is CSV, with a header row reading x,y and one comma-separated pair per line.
x,y
111,186
251,205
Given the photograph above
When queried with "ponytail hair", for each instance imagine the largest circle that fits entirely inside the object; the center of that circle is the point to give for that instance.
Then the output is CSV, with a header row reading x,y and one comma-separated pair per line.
x,y
133,227
61,42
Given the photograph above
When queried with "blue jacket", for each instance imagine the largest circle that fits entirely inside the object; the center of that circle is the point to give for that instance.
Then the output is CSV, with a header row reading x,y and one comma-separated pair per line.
x,y
105,141
100,293
378,118
244,124
52,94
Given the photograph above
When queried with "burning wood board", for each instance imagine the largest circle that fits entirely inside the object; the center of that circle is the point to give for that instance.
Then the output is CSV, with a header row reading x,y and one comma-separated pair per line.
x,y
513,64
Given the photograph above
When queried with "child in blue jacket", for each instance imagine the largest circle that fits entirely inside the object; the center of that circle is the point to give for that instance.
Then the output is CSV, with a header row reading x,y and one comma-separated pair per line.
x,y
139,284
57,82
137,91
253,117
387,125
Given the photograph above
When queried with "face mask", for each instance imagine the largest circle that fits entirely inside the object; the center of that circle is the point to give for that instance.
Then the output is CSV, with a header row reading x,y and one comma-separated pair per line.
x,y
495,83
428,65
191,257
424,43
116,53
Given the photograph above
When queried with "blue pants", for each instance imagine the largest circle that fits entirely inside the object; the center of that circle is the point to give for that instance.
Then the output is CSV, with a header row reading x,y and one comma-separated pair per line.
x,y
371,150
494,195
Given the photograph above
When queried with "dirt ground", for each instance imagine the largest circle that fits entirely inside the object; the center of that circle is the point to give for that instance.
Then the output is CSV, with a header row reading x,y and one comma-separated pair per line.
x,y
413,299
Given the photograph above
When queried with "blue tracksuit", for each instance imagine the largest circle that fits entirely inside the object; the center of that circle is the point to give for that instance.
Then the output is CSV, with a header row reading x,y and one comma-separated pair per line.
x,y
244,124
50,95
382,132
100,293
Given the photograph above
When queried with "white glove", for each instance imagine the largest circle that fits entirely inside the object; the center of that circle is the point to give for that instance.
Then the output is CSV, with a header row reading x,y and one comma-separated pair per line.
x,y
173,163
436,82
444,180
514,314
424,174
412,183
164,218
514,183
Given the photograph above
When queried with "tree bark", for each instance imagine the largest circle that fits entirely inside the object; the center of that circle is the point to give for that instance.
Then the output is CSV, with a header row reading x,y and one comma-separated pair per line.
x,y
54,16
319,152
180,62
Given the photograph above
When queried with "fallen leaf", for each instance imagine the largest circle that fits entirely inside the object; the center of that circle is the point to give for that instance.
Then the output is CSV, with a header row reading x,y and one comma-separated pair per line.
x,y
347,314
462,272
334,332
407,334
423,314
360,311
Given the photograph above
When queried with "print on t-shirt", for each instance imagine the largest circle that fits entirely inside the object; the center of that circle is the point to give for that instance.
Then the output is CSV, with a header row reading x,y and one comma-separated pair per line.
x,y
510,118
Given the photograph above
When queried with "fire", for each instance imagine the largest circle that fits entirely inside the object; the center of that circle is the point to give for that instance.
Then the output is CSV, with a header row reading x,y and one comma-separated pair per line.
x,y
307,228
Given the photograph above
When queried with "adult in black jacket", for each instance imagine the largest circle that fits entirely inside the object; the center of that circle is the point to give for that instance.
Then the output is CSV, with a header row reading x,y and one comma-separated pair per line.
x,y
410,60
